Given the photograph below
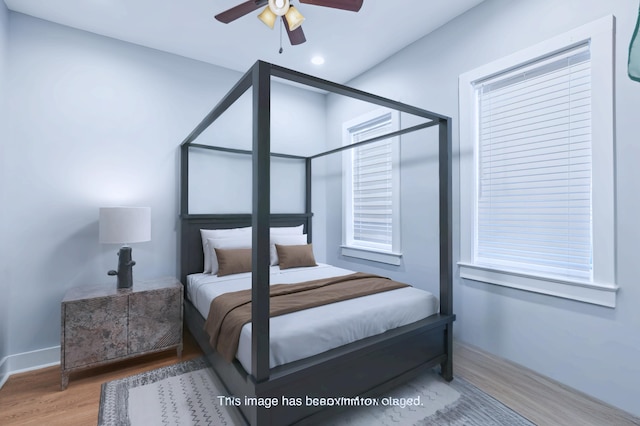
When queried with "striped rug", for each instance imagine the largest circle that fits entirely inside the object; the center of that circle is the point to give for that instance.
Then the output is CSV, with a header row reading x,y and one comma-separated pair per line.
x,y
187,394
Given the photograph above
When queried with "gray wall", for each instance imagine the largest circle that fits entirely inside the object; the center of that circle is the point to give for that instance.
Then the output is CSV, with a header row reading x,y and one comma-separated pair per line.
x,y
97,122
4,272
298,128
590,348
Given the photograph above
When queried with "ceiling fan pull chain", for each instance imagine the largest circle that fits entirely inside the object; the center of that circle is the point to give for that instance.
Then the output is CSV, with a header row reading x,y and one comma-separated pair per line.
x,y
281,25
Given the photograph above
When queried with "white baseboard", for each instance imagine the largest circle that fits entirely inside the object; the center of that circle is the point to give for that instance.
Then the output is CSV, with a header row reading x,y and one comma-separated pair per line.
x,y
27,361
4,372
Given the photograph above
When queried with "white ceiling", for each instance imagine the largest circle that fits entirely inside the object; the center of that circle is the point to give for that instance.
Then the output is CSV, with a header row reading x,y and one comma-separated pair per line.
x,y
350,42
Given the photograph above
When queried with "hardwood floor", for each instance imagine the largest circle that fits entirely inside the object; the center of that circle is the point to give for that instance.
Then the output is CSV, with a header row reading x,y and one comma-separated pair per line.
x,y
539,399
34,398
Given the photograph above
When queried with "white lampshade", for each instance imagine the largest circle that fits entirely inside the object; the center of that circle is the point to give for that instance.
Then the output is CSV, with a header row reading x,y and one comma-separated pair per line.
x,y
125,225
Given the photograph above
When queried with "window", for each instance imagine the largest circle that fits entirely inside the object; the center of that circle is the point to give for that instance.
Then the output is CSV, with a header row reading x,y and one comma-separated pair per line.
x,y
537,200
372,189
533,199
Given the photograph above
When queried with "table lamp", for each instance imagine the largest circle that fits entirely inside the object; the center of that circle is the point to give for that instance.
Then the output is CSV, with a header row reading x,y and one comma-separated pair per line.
x,y
125,225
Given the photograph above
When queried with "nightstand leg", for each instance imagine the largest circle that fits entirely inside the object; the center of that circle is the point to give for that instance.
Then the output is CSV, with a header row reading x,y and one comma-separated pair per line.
x,y
64,382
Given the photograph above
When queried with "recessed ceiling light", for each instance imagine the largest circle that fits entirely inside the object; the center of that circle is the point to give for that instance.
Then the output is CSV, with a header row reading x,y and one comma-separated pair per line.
x,y
317,60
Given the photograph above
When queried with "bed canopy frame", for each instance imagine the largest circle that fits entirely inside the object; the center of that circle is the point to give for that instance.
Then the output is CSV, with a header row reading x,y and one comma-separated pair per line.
x,y
365,367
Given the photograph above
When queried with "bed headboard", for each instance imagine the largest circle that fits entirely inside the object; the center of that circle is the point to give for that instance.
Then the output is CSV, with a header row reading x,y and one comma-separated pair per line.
x,y
190,242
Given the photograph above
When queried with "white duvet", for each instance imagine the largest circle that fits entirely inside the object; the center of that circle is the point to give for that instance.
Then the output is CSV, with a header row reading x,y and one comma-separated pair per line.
x,y
312,331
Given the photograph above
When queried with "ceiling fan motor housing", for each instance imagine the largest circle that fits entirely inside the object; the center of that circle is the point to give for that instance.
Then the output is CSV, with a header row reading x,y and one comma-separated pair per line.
x,y
279,7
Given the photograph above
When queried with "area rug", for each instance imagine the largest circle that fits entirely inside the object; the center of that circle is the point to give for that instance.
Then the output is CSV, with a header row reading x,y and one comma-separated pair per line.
x,y
188,394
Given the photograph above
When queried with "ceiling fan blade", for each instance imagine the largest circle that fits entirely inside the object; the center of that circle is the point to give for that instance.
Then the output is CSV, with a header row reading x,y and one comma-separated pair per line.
x,y
351,5
239,10
296,36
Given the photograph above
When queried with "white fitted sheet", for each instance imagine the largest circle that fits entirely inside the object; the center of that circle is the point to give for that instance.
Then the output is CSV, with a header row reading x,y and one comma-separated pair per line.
x,y
312,331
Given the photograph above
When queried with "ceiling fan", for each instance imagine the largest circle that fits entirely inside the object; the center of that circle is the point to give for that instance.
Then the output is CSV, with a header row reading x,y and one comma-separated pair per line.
x,y
291,17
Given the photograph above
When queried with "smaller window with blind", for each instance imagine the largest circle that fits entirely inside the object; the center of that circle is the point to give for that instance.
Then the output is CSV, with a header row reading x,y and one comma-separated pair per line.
x,y
536,196
371,188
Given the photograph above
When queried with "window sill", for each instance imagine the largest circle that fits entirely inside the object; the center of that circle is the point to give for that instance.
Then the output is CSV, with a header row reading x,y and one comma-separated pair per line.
x,y
597,294
372,255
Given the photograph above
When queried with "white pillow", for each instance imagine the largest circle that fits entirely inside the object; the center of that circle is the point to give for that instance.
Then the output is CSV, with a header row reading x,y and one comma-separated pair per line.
x,y
237,242
218,233
206,234
285,240
287,230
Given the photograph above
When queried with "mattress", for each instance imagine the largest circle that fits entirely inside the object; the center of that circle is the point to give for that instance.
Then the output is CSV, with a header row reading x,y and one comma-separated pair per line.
x,y
312,331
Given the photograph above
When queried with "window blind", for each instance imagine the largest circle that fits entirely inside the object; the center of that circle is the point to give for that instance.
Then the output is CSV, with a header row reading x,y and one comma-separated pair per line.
x,y
533,210
372,189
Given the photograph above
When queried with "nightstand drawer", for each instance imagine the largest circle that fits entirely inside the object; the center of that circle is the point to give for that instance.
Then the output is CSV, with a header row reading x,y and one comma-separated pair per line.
x,y
95,330
155,320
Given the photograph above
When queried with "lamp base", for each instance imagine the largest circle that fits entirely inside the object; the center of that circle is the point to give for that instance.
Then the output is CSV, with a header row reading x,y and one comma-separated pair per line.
x,y
125,268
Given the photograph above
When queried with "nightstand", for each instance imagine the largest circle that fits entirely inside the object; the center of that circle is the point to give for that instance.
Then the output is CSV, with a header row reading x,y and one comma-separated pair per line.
x,y
104,324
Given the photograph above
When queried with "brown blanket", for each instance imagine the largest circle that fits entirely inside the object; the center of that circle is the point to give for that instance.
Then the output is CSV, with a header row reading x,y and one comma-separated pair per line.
x,y
231,311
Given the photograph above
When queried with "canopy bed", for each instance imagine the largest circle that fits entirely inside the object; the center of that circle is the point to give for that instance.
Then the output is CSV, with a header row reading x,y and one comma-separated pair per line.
x,y
363,367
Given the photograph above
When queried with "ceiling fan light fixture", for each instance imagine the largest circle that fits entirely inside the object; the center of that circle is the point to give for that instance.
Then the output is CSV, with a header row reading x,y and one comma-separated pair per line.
x,y
294,18
268,17
279,7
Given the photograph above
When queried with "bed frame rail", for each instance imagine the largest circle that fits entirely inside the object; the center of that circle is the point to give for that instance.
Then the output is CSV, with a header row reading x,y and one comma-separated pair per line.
x,y
365,368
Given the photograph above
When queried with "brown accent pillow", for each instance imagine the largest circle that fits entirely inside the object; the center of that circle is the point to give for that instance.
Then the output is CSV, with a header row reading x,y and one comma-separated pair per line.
x,y
295,256
233,261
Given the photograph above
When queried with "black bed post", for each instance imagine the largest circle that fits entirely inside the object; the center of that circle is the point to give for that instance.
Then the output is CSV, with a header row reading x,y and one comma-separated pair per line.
x,y
446,241
307,196
184,179
260,221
